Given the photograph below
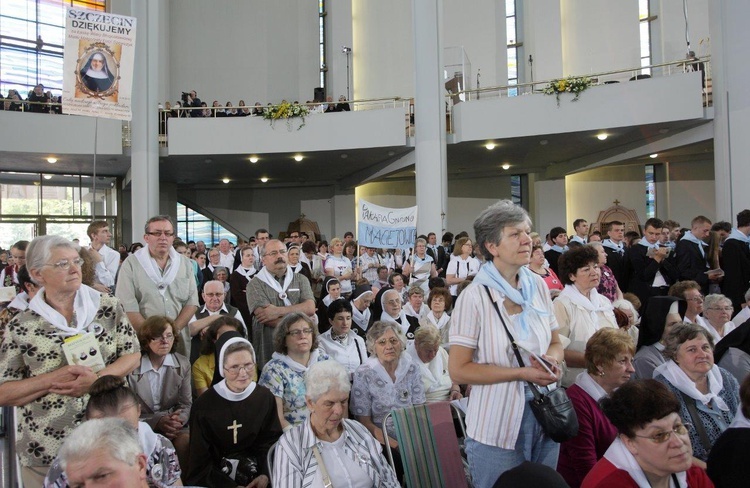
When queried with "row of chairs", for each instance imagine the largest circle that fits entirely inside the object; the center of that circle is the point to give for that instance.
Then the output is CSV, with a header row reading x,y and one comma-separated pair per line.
x,y
428,444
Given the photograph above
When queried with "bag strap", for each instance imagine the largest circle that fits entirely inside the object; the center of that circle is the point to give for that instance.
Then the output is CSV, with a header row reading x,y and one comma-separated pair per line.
x,y
697,424
534,390
321,465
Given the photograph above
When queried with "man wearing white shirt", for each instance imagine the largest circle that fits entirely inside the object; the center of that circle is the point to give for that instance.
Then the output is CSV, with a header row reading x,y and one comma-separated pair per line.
x,y
226,258
261,237
581,228
213,297
107,266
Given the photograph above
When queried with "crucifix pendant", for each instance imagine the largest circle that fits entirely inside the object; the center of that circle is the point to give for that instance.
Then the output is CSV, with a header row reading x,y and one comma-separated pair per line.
x,y
234,427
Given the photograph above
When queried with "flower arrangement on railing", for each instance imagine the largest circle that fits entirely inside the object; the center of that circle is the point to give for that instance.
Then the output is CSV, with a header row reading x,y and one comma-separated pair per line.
x,y
570,85
286,111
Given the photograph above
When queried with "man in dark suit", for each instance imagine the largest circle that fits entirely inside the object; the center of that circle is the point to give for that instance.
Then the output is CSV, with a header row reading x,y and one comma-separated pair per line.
x,y
651,268
614,246
559,237
735,256
193,101
437,253
691,254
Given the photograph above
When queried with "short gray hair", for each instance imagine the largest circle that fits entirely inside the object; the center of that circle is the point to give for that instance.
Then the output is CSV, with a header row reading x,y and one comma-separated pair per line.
x,y
158,218
595,244
40,251
715,299
379,328
681,333
427,335
112,435
489,225
626,305
213,281
324,376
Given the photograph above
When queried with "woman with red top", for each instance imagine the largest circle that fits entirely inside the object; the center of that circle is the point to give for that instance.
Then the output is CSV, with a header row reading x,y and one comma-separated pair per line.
x,y
652,448
537,265
609,365
608,284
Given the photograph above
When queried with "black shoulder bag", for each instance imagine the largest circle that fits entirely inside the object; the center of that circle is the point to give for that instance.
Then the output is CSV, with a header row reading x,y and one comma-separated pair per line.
x,y
554,411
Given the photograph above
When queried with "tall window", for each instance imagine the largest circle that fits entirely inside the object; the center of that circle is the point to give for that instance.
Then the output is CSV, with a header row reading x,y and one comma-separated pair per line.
x,y
650,192
322,41
194,226
513,45
31,42
516,189
644,14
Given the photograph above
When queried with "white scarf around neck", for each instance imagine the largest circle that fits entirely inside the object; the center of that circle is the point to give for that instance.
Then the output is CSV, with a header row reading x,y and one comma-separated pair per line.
x,y
266,277
621,458
740,421
432,371
590,303
154,272
247,273
362,319
404,362
294,365
677,377
402,321
224,392
439,323
85,306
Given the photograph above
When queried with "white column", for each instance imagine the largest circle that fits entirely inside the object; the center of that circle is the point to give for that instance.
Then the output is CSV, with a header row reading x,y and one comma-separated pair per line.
x,y
144,158
429,115
730,72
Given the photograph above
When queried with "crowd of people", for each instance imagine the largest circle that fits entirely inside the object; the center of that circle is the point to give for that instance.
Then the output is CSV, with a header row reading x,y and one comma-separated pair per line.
x,y
37,101
208,357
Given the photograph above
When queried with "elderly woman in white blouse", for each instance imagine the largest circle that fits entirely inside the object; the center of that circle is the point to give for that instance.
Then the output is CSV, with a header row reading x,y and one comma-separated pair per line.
x,y
580,310
328,449
432,359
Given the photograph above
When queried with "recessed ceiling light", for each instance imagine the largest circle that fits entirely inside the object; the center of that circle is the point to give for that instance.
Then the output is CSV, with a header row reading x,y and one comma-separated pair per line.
x,y
543,142
298,158
264,180
208,161
253,159
344,156
663,131
391,153
51,160
653,156
602,137
47,177
225,181
490,146
505,166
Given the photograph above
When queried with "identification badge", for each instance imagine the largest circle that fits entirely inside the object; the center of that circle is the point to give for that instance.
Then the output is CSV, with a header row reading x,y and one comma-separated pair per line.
x,y
83,350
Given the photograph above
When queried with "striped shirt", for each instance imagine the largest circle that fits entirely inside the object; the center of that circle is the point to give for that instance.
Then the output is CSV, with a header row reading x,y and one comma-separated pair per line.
x,y
495,411
295,464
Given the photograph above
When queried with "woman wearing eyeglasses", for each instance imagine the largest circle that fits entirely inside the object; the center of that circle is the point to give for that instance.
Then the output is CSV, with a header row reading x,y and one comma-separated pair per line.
x,y
387,380
690,291
233,424
162,383
708,394
295,342
652,448
718,313
50,389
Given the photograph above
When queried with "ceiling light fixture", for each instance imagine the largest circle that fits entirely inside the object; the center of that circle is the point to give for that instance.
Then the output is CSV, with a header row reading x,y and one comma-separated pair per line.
x,y
653,156
264,180
225,181
51,160
490,146
47,177
602,137
253,159
505,166
298,158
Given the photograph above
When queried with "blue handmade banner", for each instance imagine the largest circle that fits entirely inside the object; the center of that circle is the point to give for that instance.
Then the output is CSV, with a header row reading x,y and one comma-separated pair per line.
x,y
387,228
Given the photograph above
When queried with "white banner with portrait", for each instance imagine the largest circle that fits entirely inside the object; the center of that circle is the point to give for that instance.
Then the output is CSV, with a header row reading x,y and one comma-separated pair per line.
x,y
98,64
386,228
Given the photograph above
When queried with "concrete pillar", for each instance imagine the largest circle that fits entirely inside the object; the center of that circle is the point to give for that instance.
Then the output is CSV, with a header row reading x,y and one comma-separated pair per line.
x,y
144,159
429,115
731,99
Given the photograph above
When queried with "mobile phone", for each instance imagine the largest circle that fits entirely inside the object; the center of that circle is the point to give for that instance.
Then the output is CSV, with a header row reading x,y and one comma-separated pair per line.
x,y
545,364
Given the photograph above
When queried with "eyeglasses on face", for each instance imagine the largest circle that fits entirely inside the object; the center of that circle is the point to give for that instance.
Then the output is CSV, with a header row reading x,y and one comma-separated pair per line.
x,y
273,254
697,299
722,309
248,367
164,338
392,341
395,301
65,264
214,295
298,332
159,233
662,437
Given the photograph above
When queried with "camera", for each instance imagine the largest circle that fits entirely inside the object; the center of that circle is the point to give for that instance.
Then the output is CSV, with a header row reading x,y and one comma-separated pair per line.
x,y
185,98
242,469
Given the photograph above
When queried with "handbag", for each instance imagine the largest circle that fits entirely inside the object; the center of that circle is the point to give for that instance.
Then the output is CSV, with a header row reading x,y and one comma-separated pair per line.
x,y
554,411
